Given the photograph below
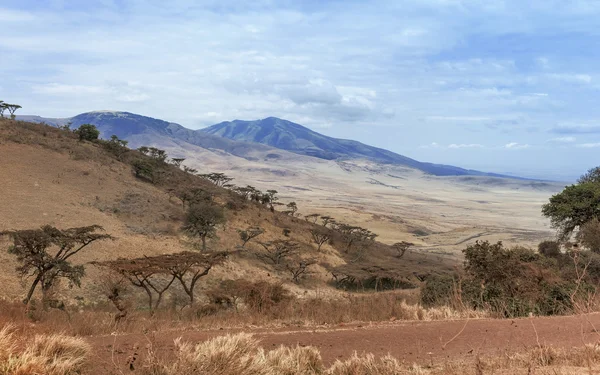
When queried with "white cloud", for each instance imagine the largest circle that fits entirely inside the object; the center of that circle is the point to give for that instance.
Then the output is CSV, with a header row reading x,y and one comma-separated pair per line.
x,y
571,78
463,145
10,15
431,145
576,129
562,140
60,89
588,145
457,118
516,146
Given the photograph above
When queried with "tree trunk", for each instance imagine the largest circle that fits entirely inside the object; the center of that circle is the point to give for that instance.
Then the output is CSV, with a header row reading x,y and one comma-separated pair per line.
x,y
203,243
32,289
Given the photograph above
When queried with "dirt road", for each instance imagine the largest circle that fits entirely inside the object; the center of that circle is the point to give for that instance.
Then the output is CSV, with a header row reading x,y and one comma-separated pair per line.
x,y
411,342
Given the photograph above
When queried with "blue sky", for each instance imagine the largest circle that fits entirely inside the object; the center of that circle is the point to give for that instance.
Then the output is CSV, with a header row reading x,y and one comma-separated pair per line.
x,y
503,86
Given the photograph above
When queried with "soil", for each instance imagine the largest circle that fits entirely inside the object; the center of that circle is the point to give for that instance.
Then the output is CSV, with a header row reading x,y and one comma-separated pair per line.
x,y
424,343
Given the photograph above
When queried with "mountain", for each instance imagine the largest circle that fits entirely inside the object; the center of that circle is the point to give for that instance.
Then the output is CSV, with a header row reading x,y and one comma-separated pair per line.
x,y
142,130
296,138
247,138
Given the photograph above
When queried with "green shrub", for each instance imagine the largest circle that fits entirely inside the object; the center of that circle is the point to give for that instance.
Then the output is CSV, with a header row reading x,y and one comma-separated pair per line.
x,y
437,291
88,132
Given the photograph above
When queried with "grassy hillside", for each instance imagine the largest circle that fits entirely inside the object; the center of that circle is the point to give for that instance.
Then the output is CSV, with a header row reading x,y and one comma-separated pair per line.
x,y
50,177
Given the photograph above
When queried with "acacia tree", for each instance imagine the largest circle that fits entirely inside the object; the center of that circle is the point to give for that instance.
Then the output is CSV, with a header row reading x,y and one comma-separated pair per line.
x,y
189,170
44,254
276,251
249,234
292,208
312,218
145,273
270,198
320,236
299,268
325,220
12,108
188,267
402,247
202,220
177,161
156,274
192,196
354,234
575,205
219,179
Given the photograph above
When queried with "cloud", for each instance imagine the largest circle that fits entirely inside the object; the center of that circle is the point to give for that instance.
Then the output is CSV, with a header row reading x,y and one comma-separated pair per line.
x,y
516,146
457,118
10,15
62,89
588,145
576,129
462,145
572,78
562,140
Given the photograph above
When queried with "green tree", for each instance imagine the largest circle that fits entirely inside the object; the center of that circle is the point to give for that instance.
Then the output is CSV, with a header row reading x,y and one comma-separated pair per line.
x,y
589,235
202,220
88,132
592,175
573,207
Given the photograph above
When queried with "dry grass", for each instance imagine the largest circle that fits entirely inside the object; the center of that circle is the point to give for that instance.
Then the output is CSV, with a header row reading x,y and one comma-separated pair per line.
x,y
314,311
241,354
44,354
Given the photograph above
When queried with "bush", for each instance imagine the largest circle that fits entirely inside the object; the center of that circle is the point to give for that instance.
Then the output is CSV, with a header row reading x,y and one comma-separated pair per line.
x,y
259,296
144,169
437,291
88,132
550,249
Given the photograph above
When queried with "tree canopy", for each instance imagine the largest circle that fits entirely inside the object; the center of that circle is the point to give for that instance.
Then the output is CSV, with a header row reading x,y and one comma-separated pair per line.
x,y
44,254
88,132
573,207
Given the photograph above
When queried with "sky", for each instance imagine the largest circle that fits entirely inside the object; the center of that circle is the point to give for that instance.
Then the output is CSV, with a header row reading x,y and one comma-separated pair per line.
x,y
496,85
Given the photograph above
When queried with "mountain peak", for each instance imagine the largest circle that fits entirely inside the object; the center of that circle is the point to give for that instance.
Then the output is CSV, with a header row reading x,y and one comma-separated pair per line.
x,y
289,136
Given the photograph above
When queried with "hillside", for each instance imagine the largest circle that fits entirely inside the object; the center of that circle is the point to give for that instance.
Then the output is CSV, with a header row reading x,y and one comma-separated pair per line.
x,y
293,137
399,203
52,178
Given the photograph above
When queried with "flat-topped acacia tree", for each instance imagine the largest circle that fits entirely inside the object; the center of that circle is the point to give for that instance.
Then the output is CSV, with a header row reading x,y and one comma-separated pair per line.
x,y
12,108
156,274
44,254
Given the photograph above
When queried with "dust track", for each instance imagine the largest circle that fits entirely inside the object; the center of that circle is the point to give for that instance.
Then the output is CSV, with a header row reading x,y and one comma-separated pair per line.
x,y
411,342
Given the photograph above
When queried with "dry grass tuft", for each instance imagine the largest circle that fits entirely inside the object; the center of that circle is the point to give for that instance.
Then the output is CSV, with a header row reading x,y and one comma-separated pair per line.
x,y
298,360
367,365
47,354
231,354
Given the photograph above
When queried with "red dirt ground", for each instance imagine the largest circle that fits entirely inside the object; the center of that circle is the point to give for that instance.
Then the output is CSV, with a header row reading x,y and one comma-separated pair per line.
x,y
412,342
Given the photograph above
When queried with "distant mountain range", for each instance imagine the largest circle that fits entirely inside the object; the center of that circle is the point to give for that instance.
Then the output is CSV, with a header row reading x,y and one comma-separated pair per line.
x,y
296,138
242,138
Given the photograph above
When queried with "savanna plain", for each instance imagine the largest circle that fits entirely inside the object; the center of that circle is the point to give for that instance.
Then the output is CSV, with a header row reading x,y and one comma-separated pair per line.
x,y
115,260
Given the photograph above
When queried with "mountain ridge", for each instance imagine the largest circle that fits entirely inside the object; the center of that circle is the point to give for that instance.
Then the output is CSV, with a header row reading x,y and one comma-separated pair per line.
x,y
243,138
289,136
